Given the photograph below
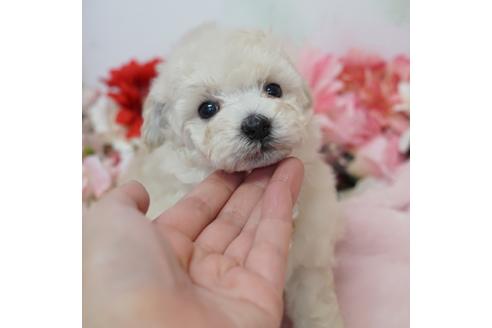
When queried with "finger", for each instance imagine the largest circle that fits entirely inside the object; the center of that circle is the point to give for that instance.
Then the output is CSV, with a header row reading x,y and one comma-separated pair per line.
x,y
239,248
268,255
219,234
133,194
197,209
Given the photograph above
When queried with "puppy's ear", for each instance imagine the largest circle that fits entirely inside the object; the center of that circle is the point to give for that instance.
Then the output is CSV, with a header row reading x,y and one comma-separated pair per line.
x,y
155,122
307,99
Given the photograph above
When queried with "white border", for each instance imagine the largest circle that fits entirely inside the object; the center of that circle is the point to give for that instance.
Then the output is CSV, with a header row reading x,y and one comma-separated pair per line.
x,y
40,244
40,134
451,57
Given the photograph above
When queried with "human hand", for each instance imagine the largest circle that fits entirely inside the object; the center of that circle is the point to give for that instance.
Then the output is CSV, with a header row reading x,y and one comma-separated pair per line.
x,y
215,259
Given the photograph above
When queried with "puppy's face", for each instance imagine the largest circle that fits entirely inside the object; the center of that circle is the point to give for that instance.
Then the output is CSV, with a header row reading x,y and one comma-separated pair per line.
x,y
232,96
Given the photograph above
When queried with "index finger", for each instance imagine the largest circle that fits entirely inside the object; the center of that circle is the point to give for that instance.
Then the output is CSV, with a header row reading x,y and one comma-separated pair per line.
x,y
268,255
197,209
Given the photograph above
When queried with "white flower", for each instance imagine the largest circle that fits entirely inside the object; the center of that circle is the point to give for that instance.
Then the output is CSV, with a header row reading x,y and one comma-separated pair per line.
x,y
404,93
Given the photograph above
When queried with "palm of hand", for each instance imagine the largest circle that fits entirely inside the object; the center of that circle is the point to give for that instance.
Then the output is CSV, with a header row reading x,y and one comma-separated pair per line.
x,y
234,267
215,259
228,293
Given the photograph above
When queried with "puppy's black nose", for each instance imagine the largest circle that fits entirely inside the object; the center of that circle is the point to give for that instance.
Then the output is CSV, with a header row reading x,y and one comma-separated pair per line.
x,y
256,127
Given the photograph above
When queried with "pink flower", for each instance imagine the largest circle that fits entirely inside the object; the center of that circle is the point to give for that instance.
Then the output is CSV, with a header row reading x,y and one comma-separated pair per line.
x,y
348,125
363,104
96,177
400,66
379,157
342,120
403,98
372,80
321,71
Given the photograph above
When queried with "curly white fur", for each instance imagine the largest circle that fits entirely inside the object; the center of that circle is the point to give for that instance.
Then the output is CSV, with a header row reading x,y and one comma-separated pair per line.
x,y
231,67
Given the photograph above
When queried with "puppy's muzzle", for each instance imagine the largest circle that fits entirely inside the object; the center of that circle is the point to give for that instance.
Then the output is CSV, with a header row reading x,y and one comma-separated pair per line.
x,y
256,127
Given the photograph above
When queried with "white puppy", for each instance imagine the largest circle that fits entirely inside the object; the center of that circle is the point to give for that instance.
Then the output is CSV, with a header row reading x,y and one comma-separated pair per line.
x,y
232,100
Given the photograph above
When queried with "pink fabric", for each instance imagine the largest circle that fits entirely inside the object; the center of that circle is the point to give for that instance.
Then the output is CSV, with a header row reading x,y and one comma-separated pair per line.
x,y
372,276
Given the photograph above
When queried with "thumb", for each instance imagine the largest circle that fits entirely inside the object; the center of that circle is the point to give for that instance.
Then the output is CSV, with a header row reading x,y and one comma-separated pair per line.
x,y
133,194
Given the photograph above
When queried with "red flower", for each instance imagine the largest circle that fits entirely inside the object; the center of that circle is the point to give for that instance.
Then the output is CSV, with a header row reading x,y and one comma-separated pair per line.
x,y
373,80
129,85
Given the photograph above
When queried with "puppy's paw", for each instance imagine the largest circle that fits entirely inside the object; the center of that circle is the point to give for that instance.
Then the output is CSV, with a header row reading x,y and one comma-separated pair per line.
x,y
310,299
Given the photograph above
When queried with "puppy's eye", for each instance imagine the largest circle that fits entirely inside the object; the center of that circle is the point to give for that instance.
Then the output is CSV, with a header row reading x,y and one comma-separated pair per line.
x,y
208,109
273,90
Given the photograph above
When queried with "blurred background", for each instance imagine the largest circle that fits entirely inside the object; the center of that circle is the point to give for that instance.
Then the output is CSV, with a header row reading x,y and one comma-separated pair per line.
x,y
116,30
